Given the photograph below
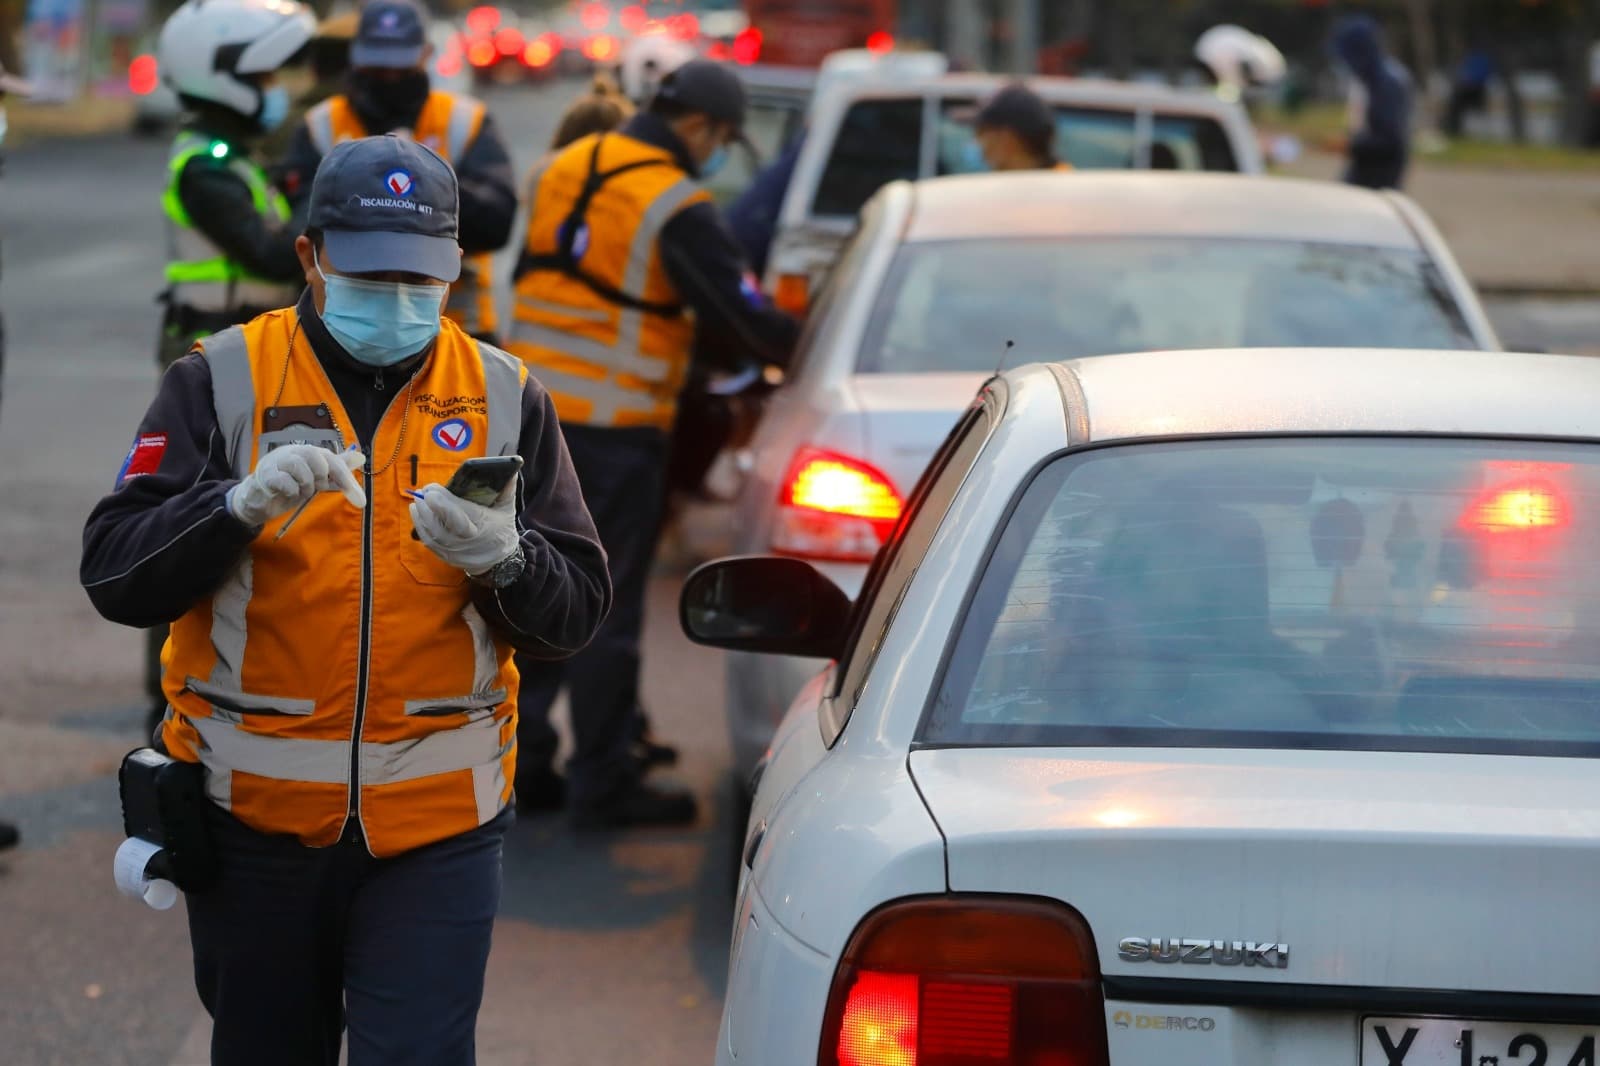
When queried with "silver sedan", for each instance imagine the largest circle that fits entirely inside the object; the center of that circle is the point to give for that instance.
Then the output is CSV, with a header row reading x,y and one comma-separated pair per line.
x,y
948,279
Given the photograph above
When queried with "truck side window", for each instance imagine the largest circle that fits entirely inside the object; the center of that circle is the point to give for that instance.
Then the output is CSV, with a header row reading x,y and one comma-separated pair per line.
x,y
879,141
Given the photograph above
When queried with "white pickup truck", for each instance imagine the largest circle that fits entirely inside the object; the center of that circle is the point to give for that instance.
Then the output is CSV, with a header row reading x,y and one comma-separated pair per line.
x,y
864,135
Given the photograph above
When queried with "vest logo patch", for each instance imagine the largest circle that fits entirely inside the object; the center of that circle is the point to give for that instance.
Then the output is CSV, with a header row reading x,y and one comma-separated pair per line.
x,y
398,182
144,457
452,434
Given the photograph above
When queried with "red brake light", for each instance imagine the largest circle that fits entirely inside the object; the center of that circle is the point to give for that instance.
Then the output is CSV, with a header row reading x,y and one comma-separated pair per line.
x,y
1520,508
954,982
880,42
600,47
143,75
539,52
632,18
685,26
747,46
482,53
835,507
449,65
483,20
509,41
594,16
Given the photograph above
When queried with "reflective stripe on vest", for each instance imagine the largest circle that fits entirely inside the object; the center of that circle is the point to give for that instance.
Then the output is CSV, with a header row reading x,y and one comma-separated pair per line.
x,y
263,701
199,274
597,374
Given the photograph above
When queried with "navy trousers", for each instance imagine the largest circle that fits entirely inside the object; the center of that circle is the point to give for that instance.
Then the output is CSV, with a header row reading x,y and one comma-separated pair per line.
x,y
295,944
622,473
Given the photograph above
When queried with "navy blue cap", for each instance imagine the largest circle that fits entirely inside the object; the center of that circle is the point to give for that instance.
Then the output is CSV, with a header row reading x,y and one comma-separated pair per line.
x,y
707,88
391,34
1021,110
387,203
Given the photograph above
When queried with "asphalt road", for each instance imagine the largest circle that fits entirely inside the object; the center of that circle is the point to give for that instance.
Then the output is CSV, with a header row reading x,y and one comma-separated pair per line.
x,y
607,949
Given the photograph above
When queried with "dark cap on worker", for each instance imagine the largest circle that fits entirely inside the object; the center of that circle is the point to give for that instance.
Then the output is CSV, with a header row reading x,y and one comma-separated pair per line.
x,y
390,34
1019,109
707,88
387,203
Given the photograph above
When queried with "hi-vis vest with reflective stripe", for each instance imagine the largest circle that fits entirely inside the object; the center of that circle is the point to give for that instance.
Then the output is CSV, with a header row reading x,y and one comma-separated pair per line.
x,y
604,333
448,124
200,276
342,671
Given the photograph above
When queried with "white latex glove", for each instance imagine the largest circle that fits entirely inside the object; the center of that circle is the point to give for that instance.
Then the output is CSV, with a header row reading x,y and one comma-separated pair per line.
x,y
289,476
466,534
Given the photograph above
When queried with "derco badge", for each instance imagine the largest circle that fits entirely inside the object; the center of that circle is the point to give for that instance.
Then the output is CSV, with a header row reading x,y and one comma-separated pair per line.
x,y
144,457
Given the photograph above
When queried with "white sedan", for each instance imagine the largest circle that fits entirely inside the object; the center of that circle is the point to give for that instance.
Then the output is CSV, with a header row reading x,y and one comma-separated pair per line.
x,y
948,278
1205,707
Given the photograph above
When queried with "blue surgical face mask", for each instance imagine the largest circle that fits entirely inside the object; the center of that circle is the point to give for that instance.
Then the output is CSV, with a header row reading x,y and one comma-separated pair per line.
x,y
381,323
274,107
718,160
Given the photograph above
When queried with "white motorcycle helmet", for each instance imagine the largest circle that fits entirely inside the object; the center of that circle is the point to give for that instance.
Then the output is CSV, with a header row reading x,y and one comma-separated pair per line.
x,y
647,60
1240,60
209,48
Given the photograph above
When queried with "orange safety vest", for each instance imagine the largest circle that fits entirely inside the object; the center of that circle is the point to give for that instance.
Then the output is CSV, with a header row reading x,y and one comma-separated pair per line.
x,y
341,673
594,313
448,124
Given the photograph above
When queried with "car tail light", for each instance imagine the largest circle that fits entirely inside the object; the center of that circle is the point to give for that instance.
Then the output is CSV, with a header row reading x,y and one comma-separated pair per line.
x,y
509,41
880,42
594,16
482,21
964,981
1521,508
448,65
143,75
685,26
632,18
600,47
834,507
792,293
747,46
539,53
482,53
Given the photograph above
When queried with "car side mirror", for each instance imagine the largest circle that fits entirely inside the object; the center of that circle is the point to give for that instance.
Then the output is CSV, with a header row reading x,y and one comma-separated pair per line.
x,y
765,603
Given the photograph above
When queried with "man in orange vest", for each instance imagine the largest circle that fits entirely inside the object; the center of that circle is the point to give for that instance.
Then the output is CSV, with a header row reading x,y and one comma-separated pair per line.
x,y
343,625
388,91
626,257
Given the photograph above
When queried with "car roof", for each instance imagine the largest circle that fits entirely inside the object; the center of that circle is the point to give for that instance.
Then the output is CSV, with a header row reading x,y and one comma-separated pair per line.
x,y
1321,391
1101,203
1088,92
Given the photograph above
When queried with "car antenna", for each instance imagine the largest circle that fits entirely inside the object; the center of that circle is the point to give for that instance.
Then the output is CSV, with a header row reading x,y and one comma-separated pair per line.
x,y
1000,366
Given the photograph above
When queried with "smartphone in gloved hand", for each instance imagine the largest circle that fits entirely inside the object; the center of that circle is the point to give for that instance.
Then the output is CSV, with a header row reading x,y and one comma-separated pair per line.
x,y
482,480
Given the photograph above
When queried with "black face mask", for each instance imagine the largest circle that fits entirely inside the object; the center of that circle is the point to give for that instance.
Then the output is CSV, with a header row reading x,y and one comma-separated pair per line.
x,y
388,103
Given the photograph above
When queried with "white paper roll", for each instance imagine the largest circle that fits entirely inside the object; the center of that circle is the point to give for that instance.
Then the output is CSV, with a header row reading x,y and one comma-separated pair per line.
x,y
127,869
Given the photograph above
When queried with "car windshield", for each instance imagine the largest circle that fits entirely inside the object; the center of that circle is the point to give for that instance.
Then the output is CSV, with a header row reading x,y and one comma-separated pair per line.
x,y
953,305
1367,593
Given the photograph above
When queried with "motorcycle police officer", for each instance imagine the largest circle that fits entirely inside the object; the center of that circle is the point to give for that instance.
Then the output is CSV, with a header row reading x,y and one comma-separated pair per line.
x,y
388,91
625,258
231,242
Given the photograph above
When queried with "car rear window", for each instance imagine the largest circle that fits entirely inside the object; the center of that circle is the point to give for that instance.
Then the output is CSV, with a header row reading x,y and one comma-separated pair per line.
x,y
879,141
1366,593
952,305
1099,139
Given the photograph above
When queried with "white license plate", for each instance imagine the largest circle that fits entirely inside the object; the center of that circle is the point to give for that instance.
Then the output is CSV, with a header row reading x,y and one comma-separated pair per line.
x,y
1462,1042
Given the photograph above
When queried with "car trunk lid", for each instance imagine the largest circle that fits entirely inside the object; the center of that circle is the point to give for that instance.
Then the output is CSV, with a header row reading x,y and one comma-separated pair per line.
x,y
905,417
1364,869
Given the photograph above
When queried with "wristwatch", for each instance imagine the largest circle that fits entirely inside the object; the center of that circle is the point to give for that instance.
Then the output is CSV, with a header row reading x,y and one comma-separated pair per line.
x,y
502,574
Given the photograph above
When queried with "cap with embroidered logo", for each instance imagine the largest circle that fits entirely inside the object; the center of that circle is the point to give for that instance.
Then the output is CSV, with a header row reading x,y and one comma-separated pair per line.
x,y
387,203
390,35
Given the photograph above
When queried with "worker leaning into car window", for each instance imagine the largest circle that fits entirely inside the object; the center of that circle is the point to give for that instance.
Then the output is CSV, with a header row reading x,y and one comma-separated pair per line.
x,y
1016,130
626,256
388,91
